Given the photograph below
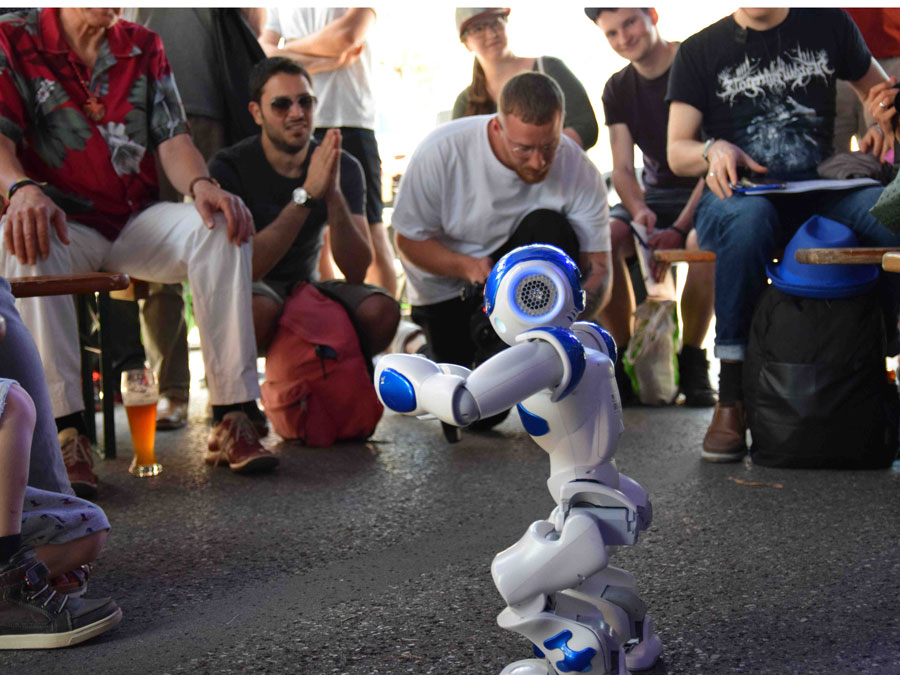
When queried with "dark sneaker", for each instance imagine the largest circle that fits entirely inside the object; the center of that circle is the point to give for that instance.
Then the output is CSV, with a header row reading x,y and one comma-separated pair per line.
x,y
33,616
79,461
234,442
693,373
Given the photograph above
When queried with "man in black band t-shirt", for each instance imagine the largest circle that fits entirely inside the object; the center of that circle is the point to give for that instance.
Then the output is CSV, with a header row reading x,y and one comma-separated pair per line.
x,y
759,85
294,187
637,114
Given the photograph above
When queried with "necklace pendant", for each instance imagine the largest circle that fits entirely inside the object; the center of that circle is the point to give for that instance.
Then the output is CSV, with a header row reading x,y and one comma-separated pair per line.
x,y
94,109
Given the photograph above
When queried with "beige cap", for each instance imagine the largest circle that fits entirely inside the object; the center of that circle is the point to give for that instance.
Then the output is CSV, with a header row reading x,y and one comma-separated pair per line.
x,y
465,15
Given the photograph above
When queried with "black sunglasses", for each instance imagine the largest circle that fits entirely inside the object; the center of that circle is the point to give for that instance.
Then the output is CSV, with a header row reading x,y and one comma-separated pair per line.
x,y
281,104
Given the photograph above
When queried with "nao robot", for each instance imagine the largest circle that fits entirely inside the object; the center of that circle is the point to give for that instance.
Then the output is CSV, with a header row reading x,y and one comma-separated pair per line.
x,y
580,614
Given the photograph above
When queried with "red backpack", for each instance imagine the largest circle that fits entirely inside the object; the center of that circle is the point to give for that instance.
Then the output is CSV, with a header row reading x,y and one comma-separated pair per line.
x,y
318,384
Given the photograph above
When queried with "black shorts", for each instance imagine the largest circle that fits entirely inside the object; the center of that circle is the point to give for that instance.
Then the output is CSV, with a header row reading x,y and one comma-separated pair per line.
x,y
666,203
362,145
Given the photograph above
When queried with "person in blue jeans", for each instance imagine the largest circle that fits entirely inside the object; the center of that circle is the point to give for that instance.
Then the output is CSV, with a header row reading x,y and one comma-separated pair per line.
x,y
753,96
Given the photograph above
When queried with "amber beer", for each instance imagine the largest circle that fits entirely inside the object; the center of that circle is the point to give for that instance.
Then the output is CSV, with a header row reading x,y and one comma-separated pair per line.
x,y
142,422
140,395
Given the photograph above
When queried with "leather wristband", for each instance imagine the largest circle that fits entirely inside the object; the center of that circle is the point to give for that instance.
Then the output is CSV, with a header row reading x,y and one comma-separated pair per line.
x,y
22,182
209,179
681,232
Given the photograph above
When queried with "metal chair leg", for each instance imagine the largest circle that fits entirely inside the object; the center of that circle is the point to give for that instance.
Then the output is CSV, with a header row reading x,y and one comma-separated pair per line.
x,y
110,386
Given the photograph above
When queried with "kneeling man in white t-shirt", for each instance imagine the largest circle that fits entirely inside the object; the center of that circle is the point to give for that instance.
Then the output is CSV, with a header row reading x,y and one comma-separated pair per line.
x,y
479,186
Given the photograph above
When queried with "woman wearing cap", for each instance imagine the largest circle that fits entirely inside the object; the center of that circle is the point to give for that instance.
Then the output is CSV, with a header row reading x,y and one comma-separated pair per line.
x,y
483,31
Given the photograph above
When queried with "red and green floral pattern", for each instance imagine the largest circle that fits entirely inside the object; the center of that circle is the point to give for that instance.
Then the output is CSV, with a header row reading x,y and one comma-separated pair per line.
x,y
99,173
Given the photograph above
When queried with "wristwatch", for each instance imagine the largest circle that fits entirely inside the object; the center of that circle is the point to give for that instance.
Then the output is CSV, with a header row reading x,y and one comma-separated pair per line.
x,y
302,198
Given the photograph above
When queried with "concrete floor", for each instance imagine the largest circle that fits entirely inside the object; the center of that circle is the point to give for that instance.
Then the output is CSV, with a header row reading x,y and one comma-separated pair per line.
x,y
375,557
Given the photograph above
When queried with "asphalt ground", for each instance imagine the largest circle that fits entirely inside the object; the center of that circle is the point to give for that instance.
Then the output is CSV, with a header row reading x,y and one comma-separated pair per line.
x,y
375,557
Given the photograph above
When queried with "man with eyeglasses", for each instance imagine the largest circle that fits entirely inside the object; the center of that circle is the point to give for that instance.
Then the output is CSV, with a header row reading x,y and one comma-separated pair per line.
x,y
295,186
478,187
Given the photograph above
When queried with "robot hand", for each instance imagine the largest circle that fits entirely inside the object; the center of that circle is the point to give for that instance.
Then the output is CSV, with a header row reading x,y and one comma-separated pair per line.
x,y
413,385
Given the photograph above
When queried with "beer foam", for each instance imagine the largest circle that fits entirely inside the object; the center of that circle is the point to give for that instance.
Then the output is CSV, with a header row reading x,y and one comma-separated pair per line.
x,y
130,398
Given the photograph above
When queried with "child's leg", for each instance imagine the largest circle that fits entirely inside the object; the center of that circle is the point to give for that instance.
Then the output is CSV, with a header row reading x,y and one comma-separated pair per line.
x,y
61,558
16,427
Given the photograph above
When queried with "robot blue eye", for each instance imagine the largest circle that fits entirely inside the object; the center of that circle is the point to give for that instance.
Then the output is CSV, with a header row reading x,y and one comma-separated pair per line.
x,y
499,325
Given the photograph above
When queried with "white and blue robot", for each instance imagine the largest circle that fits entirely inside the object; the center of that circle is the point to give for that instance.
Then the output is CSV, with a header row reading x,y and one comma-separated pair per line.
x,y
580,614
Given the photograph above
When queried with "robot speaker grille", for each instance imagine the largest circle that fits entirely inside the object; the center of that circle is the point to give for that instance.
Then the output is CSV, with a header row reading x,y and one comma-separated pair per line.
x,y
535,294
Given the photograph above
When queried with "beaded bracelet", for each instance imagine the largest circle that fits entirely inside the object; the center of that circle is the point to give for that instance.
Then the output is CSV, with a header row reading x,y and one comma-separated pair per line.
x,y
22,182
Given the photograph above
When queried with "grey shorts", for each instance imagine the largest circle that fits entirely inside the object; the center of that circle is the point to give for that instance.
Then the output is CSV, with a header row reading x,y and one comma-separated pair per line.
x,y
54,518
666,203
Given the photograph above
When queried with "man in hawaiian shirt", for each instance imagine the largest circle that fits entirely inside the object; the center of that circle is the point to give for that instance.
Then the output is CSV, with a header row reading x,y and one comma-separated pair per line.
x,y
83,97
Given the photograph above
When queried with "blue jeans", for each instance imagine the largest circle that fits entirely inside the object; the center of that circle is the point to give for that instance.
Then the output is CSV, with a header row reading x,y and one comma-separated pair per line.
x,y
745,231
20,361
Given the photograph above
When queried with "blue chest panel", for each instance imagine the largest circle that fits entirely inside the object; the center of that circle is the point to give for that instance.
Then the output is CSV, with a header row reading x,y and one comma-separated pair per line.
x,y
396,391
573,662
534,425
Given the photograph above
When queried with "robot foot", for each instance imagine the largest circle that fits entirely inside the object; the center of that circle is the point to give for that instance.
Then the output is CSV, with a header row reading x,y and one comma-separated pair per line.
x,y
645,653
451,433
528,667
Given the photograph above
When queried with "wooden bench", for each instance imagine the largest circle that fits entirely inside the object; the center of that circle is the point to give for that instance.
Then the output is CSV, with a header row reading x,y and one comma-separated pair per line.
x,y
811,256
101,283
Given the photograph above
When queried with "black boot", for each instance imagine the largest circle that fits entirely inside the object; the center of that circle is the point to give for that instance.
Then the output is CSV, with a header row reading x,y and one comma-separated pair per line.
x,y
693,372
34,617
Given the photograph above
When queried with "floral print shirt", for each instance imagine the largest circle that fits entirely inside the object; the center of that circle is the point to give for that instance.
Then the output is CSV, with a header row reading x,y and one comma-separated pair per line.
x,y
99,173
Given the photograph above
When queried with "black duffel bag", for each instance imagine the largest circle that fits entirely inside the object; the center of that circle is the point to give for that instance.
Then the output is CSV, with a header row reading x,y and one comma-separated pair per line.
x,y
815,387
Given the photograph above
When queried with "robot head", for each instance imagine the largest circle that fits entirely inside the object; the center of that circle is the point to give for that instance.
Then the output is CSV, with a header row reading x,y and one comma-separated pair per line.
x,y
532,286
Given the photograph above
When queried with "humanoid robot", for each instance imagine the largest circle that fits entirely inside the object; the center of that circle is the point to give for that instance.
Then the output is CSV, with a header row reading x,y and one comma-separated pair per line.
x,y
580,614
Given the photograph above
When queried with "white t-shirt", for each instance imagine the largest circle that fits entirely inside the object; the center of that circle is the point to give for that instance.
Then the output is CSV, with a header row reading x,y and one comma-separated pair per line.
x,y
345,95
456,191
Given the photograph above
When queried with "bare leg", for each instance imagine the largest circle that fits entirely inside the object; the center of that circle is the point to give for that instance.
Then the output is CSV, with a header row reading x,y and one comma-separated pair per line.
x,y
381,271
61,558
616,317
266,313
377,317
16,429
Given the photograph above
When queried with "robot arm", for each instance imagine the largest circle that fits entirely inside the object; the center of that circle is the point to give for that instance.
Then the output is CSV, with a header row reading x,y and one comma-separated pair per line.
x,y
413,385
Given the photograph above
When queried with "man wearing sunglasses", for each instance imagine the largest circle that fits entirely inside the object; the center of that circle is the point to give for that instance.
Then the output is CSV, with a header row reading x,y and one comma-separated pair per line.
x,y
479,186
295,187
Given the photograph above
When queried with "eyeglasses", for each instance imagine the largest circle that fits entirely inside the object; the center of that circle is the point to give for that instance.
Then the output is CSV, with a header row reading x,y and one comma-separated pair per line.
x,y
524,152
477,29
281,104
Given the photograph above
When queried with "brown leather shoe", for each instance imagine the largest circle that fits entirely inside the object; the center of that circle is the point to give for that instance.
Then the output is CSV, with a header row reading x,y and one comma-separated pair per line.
x,y
726,438
170,413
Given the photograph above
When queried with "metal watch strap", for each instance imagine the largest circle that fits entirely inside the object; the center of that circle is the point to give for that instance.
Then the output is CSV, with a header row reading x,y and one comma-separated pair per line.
x,y
706,146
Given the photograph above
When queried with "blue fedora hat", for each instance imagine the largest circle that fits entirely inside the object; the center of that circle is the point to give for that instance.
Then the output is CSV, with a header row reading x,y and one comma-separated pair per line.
x,y
821,281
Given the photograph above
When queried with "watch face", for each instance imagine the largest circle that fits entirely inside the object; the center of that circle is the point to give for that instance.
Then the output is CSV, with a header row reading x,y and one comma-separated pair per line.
x,y
300,196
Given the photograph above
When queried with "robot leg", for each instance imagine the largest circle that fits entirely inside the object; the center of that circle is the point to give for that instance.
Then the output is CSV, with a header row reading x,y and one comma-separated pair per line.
x,y
529,576
611,595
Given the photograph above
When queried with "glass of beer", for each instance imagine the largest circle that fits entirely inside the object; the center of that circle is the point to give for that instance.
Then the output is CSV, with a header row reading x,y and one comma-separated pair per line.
x,y
140,394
